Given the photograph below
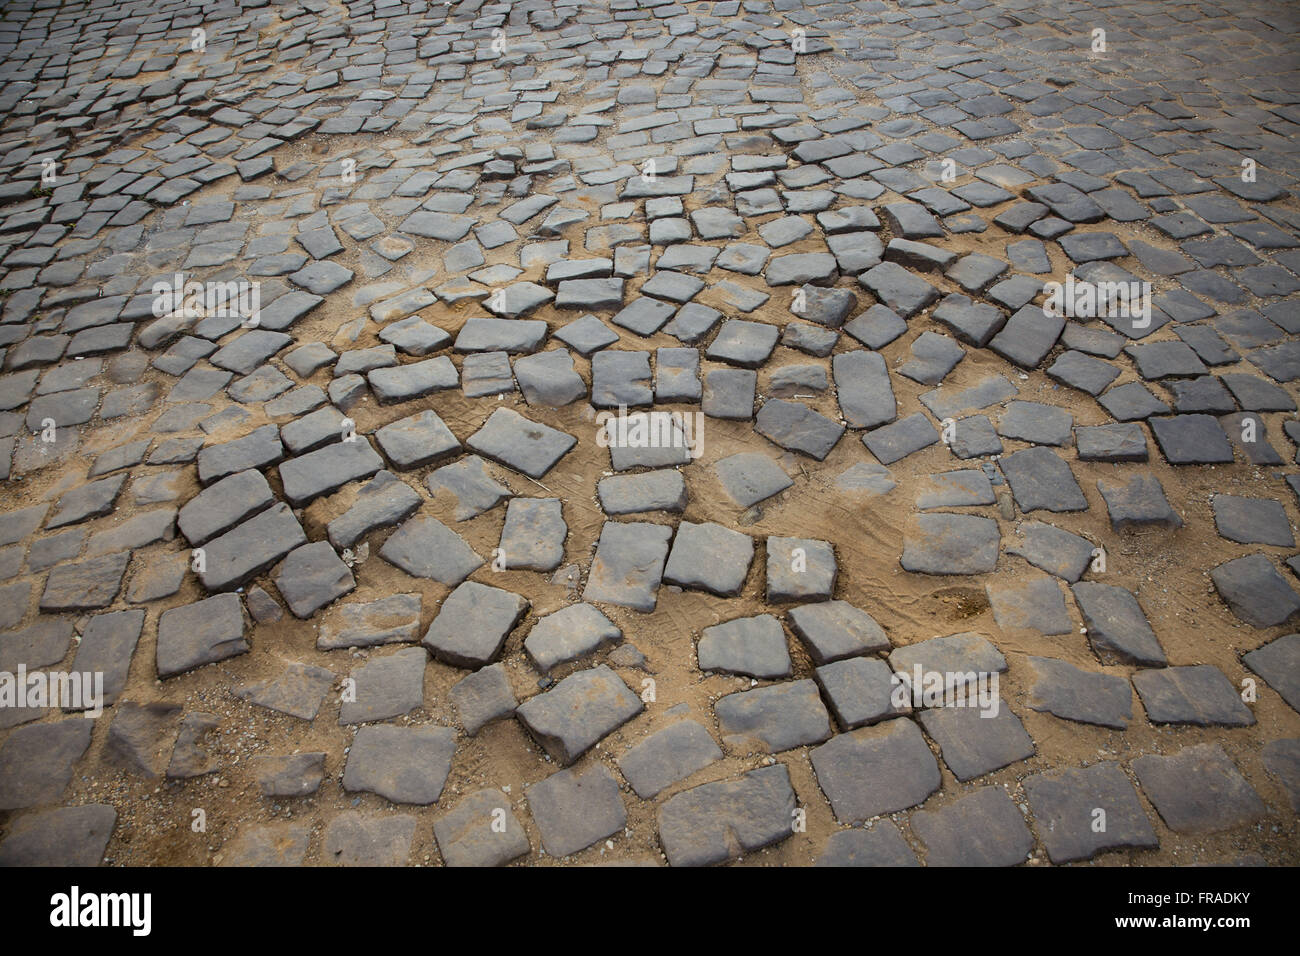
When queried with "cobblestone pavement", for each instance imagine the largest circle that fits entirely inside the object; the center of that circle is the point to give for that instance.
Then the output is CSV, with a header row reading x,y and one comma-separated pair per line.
x,y
363,536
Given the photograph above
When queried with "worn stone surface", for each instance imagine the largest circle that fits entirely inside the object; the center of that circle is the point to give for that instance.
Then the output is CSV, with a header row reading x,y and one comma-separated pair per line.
x,y
754,647
709,557
570,718
882,845
667,756
719,821
384,687
482,697
1089,697
36,762
1198,790
533,535
832,630
568,634
276,318
875,770
201,633
466,836
1064,804
628,564
67,836
473,624
1117,628
356,839
424,547
574,809
974,741
298,690
983,829
1276,662
1255,591
401,764
516,442
1200,695
312,577
249,548
951,544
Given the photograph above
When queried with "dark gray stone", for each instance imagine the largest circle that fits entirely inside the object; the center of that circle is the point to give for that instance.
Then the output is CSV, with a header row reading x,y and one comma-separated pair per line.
x,y
36,761
1191,439
84,585
876,770
1199,695
800,569
424,547
469,485
1254,591
573,810
64,837
750,646
1137,502
1064,804
1117,629
834,630
1198,790
401,764
797,427
628,564
473,624
984,828
467,835
482,697
716,822
311,577
328,469
667,756
951,544
246,550
298,690
1088,697
1252,520
1277,662
749,478
709,557
1040,479
516,442
293,775
882,845
568,634
385,687
201,633
575,714
773,718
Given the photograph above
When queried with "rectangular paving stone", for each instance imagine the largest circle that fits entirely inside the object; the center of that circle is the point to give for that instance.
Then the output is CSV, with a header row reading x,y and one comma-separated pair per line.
x,y
1198,790
575,714
326,470
201,633
628,565
667,756
516,442
972,743
875,770
1064,805
716,822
